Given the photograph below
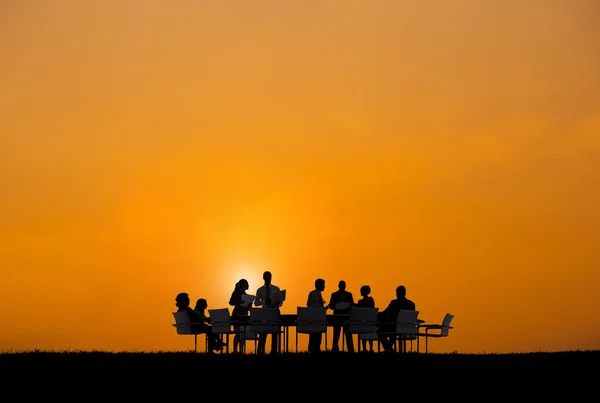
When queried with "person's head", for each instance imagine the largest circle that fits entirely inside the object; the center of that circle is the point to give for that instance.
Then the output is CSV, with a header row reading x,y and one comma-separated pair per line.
x,y
201,304
242,285
365,290
400,291
182,300
320,284
342,285
267,277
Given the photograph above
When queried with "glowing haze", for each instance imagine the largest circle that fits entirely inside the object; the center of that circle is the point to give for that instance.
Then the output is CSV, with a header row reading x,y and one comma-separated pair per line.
x,y
153,147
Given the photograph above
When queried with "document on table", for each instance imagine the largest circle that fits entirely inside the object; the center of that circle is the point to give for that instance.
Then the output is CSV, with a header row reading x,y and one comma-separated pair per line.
x,y
247,299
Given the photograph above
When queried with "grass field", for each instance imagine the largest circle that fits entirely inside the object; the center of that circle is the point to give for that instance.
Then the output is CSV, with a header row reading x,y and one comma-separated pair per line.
x,y
99,359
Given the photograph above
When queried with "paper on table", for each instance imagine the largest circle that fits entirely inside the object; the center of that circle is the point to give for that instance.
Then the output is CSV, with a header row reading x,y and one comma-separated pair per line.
x,y
340,306
278,297
247,299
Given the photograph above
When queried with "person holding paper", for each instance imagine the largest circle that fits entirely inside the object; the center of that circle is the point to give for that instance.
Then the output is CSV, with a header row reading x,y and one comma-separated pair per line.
x,y
241,310
263,298
340,302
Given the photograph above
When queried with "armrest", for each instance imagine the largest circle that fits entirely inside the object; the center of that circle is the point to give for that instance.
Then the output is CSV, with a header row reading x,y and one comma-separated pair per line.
x,y
431,325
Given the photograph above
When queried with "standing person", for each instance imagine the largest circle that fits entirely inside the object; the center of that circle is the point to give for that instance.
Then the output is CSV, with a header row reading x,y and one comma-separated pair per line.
x,y
263,298
315,299
240,311
366,302
182,302
341,296
390,314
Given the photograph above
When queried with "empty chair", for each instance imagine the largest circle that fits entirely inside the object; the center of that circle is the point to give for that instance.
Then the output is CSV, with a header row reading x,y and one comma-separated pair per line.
x,y
363,323
435,330
220,320
312,319
183,325
266,321
246,334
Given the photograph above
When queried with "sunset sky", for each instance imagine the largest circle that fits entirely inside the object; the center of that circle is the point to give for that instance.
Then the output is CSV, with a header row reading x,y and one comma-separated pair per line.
x,y
154,147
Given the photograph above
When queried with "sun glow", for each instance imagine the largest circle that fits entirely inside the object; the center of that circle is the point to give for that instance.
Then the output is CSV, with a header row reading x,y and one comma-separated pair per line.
x,y
248,272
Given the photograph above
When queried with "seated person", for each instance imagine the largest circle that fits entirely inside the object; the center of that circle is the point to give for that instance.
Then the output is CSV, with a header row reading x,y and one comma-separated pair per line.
x,y
387,317
200,310
198,324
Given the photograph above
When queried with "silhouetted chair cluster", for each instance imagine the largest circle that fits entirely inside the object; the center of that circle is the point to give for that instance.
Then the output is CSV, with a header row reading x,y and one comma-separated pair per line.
x,y
183,325
309,320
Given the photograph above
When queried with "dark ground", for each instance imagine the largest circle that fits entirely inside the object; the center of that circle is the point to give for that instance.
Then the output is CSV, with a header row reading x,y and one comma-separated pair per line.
x,y
321,362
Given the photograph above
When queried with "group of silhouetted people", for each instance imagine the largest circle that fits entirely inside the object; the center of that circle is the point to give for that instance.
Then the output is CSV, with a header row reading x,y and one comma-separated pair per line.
x,y
341,302
387,317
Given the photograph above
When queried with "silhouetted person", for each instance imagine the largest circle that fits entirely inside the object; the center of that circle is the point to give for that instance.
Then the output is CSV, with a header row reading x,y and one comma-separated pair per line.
x,y
366,302
341,295
390,314
315,299
240,311
263,298
182,302
200,311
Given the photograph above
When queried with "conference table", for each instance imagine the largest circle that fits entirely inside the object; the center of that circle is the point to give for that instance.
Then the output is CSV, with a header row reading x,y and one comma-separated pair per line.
x,y
289,320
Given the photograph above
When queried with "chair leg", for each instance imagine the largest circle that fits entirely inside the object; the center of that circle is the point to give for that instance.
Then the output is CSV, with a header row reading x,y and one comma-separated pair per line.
x,y
195,342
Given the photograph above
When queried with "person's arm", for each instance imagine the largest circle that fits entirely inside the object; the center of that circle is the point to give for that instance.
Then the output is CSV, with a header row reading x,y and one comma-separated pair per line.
x,y
277,289
332,302
309,300
259,299
388,310
236,299
314,299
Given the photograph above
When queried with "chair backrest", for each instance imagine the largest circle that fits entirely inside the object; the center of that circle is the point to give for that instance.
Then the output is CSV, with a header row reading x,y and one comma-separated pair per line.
x,y
182,323
312,319
446,324
363,320
265,320
220,320
406,322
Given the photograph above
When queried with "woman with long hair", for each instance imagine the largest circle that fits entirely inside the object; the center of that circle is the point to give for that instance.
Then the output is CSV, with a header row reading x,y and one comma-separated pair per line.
x,y
240,312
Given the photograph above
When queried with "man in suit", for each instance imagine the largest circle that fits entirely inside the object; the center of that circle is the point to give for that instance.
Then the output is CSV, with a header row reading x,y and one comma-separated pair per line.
x,y
263,298
315,298
337,297
389,315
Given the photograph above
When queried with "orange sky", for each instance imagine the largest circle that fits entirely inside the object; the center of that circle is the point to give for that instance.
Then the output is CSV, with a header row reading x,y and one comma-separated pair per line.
x,y
150,147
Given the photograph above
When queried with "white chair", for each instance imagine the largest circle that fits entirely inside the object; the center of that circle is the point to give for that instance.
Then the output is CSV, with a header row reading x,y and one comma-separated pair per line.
x,y
403,329
220,319
440,330
407,327
183,325
266,321
246,334
311,320
363,323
